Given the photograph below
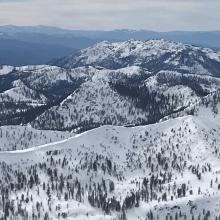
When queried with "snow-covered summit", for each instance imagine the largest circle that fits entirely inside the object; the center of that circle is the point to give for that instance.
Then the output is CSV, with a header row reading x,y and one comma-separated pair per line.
x,y
154,55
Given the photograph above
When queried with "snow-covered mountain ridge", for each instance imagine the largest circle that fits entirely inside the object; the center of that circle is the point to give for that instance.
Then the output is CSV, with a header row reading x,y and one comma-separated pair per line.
x,y
154,55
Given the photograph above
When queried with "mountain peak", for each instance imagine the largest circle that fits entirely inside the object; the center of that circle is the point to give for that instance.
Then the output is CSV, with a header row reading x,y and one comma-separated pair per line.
x,y
153,55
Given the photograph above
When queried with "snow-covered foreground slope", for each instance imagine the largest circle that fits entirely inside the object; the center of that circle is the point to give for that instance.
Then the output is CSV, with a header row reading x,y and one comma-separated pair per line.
x,y
166,169
22,137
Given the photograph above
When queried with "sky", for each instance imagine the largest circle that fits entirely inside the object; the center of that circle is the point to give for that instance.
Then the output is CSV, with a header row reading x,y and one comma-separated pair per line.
x,y
158,15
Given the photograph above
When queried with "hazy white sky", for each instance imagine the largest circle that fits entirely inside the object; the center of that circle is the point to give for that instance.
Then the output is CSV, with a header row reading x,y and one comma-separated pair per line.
x,y
161,15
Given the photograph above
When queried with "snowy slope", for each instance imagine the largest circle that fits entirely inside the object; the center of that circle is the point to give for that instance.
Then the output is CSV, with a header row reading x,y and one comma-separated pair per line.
x,y
93,103
4,70
179,153
27,91
21,93
22,137
208,106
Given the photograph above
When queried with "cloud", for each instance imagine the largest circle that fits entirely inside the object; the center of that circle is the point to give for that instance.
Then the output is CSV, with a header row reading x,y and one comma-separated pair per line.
x,y
160,15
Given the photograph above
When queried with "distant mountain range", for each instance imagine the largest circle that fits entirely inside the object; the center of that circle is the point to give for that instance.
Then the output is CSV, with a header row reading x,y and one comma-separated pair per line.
x,y
40,44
